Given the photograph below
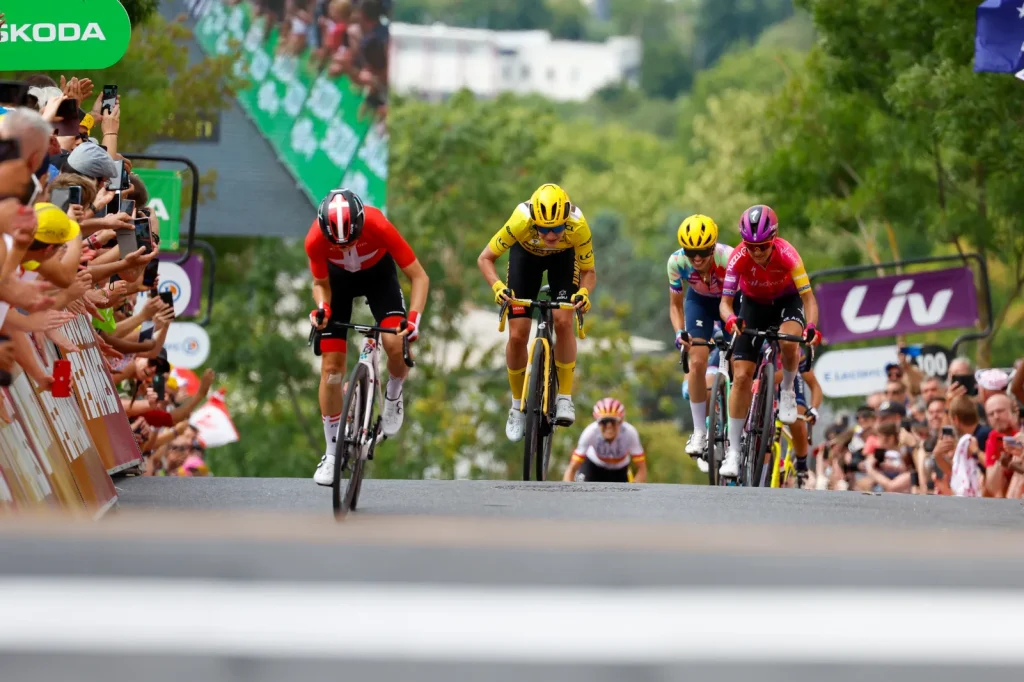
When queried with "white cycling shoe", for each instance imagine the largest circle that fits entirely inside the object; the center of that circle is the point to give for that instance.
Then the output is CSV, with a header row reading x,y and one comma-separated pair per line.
x,y
515,427
391,420
565,411
696,444
731,465
787,407
325,471
702,465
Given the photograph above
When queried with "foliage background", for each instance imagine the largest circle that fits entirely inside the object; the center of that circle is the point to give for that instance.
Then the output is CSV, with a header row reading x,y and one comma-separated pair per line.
x,y
862,123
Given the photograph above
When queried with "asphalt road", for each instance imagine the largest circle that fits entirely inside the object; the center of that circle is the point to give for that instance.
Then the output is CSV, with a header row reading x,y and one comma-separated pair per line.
x,y
504,577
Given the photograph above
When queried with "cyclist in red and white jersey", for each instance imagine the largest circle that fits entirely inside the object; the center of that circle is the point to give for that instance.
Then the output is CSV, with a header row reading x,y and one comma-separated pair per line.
x,y
355,251
607,447
776,291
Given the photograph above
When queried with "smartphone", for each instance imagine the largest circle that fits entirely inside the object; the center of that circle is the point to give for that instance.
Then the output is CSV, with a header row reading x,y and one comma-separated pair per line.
x,y
967,381
13,93
947,431
147,333
61,379
67,119
115,180
126,243
150,273
143,234
75,195
168,298
127,206
114,207
5,376
61,196
160,385
109,98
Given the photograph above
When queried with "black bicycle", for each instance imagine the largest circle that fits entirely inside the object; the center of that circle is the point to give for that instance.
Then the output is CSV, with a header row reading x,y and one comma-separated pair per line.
x,y
718,412
759,431
360,429
541,385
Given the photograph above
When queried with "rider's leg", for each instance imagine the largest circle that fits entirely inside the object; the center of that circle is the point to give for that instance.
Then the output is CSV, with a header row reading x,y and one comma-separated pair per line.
x,y
740,397
791,313
332,373
515,356
698,386
565,350
564,279
790,353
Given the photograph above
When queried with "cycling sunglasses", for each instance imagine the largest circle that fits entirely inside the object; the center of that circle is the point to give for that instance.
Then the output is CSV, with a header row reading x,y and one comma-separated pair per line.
x,y
699,253
758,247
551,230
606,421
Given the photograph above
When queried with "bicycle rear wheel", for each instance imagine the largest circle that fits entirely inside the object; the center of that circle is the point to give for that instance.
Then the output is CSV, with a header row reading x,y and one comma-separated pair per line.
x,y
718,424
547,433
534,446
764,426
348,465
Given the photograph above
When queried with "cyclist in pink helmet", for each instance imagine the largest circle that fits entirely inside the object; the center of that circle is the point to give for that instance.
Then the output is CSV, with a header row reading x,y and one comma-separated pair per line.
x,y
776,292
607,447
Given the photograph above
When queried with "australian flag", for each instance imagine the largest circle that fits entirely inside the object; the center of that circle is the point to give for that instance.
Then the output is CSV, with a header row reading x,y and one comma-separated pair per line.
x,y
999,37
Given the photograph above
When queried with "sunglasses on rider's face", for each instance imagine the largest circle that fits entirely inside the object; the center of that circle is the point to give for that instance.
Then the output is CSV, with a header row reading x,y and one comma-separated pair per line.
x,y
607,422
759,246
551,230
699,253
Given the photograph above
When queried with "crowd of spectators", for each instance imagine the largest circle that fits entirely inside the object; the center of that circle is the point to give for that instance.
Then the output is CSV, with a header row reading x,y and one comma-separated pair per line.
x,y
955,435
78,239
348,37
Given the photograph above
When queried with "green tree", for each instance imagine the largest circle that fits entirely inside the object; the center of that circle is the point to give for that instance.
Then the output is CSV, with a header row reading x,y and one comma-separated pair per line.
x,y
721,23
140,10
891,126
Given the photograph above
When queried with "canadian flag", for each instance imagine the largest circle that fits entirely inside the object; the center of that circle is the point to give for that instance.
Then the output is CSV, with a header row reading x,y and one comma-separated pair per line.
x,y
213,422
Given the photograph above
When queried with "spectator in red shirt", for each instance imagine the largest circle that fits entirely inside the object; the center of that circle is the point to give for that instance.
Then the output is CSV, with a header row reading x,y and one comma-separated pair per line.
x,y
1002,417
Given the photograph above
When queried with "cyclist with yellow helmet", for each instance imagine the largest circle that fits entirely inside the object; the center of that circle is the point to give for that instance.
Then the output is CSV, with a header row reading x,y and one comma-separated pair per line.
x,y
700,265
545,234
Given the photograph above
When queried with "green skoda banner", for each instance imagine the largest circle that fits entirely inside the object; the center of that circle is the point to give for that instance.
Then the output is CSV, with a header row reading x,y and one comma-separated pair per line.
x,y
63,34
164,187
316,124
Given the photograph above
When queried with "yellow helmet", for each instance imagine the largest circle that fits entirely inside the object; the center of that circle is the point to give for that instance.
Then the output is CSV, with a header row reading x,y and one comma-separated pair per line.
x,y
549,206
697,232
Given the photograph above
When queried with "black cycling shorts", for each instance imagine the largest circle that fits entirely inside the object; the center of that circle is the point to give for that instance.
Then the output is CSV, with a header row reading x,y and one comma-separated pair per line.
x,y
525,271
761,316
589,471
379,284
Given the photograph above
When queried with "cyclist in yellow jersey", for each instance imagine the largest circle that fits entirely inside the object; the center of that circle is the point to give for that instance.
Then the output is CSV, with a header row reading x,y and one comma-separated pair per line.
x,y
546,233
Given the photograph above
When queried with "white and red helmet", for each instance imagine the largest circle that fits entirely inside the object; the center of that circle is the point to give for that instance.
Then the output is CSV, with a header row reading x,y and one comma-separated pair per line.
x,y
341,216
609,408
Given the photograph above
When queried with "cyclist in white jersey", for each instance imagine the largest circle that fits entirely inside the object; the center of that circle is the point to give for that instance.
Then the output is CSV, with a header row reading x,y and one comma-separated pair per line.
x,y
607,447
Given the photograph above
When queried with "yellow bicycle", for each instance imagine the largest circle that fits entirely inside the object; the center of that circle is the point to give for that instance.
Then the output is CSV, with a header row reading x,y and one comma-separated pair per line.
x,y
783,466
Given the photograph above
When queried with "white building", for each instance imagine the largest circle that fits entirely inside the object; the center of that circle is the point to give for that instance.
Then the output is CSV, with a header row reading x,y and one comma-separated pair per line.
x,y
437,61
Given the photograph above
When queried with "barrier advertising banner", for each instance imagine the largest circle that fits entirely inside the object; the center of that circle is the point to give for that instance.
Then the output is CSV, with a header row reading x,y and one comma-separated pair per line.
x,y
325,129
97,398
860,309
164,187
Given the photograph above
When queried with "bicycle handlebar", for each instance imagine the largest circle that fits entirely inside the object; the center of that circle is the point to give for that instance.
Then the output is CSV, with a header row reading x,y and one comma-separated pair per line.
x,y
367,330
717,341
542,305
774,334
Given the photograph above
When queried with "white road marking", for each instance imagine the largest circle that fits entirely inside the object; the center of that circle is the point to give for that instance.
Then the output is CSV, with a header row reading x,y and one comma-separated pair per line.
x,y
515,625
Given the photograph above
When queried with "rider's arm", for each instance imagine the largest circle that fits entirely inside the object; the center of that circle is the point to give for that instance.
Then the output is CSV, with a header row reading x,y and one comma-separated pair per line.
x,y
640,469
817,395
636,454
321,292
803,287
316,249
420,285
570,471
725,307
675,309
501,242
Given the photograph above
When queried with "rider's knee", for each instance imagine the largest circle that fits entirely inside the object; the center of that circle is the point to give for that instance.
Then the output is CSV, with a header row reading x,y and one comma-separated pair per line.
x,y
332,364
788,348
743,379
518,335
563,324
698,365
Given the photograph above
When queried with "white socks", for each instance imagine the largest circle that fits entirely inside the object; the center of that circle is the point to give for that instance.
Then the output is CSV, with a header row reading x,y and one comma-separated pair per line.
x,y
700,413
736,425
517,405
394,389
331,425
787,379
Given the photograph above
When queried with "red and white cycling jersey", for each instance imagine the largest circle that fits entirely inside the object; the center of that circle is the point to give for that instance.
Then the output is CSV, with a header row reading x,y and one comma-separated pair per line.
x,y
379,238
609,455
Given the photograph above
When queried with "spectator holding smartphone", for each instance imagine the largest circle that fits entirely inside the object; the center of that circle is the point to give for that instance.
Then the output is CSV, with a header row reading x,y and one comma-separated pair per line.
x,y
1002,417
965,478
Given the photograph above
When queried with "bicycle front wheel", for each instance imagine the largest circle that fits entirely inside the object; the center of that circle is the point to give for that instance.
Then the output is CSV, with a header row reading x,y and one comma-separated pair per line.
x,y
534,446
348,464
764,422
718,424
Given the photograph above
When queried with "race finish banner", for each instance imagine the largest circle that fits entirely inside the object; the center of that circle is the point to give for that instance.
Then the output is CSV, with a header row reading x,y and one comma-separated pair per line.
x,y
324,129
855,310
164,187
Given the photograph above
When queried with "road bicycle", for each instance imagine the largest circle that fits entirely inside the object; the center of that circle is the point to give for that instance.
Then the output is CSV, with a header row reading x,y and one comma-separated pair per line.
x,y
541,384
718,411
759,431
360,430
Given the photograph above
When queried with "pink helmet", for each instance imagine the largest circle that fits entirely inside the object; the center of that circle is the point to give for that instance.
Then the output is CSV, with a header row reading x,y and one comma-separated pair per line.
x,y
609,408
759,224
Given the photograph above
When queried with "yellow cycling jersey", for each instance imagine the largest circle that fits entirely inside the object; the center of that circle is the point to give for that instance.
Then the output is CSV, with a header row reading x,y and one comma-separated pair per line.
x,y
520,228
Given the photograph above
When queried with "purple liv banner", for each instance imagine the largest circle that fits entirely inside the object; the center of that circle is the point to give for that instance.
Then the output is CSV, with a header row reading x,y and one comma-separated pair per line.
x,y
901,304
185,282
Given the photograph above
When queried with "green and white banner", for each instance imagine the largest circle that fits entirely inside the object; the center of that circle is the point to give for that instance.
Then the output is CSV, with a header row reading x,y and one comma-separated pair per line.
x,y
316,124
164,187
